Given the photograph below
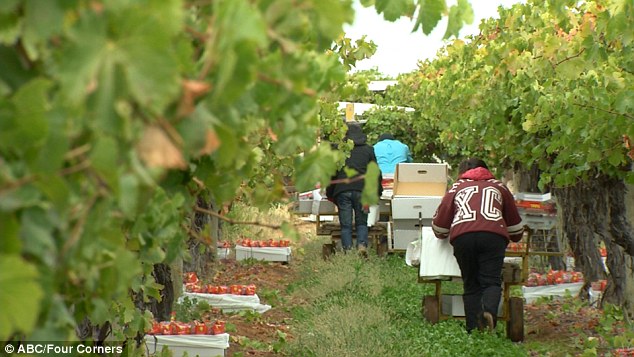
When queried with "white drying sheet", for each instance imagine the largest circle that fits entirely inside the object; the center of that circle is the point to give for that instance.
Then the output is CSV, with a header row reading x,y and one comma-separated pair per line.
x,y
436,258
202,345
230,302
285,251
531,293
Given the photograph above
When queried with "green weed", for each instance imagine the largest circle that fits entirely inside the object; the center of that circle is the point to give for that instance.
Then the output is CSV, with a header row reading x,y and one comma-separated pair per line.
x,y
190,309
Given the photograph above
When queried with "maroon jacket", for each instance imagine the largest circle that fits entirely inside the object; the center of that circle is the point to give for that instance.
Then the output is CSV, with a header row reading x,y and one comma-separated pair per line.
x,y
477,202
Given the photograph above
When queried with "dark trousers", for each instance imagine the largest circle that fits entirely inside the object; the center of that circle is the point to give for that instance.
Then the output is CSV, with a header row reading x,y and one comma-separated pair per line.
x,y
349,204
480,256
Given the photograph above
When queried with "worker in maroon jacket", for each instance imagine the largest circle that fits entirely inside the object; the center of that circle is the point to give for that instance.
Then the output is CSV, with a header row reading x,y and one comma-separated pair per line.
x,y
479,216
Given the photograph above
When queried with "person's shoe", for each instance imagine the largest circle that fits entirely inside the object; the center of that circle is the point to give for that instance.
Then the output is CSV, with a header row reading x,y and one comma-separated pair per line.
x,y
363,251
488,323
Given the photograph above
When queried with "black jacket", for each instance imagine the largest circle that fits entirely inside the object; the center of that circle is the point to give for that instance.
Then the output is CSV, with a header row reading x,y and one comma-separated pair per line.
x,y
360,156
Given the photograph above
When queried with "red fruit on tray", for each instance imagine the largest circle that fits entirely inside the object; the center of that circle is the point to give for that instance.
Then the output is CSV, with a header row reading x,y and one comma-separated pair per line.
x,y
156,328
199,328
250,289
235,289
218,327
182,328
166,328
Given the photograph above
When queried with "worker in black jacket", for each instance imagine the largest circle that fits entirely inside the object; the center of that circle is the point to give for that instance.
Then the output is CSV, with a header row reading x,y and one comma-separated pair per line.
x,y
345,192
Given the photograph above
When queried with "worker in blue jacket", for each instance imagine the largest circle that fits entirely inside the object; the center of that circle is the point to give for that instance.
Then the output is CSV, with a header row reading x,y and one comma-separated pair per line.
x,y
389,152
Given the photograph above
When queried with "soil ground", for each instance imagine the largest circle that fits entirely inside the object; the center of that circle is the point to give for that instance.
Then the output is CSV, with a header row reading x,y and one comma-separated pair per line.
x,y
546,322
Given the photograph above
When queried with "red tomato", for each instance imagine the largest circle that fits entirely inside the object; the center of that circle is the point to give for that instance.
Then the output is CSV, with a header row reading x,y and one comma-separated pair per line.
x,y
166,328
156,328
218,327
191,277
235,289
200,328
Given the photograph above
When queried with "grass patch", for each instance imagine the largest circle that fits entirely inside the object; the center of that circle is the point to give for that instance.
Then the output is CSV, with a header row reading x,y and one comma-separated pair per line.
x,y
358,307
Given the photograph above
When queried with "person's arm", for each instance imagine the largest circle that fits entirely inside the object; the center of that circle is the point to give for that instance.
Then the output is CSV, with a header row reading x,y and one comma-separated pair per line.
x,y
408,154
514,223
441,223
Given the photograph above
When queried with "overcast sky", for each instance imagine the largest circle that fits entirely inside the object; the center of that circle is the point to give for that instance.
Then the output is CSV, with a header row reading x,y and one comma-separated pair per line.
x,y
398,48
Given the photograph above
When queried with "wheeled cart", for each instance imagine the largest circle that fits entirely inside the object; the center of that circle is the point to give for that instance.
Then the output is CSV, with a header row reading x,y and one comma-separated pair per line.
x,y
511,309
438,307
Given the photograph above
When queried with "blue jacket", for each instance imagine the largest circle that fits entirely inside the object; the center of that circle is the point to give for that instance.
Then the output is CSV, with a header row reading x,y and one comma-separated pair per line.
x,y
389,153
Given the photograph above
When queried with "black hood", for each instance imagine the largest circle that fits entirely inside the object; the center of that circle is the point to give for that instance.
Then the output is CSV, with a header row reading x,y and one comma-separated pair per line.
x,y
355,133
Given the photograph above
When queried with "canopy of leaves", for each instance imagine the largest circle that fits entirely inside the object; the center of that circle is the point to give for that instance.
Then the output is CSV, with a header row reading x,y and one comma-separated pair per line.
x,y
549,83
115,114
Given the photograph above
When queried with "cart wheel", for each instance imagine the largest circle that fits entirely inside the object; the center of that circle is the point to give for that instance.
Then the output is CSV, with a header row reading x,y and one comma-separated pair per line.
x,y
430,309
515,323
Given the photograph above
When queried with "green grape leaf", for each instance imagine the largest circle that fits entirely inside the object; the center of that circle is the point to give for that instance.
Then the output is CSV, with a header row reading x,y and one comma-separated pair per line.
x,y
624,101
315,167
128,194
51,156
332,14
429,15
20,296
10,242
31,125
392,10
80,60
8,5
100,312
41,21
9,30
370,196
104,159
458,15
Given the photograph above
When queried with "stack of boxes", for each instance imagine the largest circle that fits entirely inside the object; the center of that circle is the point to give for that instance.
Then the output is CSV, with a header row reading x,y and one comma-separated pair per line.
x,y
418,190
538,211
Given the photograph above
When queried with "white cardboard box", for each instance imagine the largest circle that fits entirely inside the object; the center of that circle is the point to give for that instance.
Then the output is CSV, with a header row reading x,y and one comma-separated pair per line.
x,y
402,238
271,254
413,207
194,345
405,231
418,189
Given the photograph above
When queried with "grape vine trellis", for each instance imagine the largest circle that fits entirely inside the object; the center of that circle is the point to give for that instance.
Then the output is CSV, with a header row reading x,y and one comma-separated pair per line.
x,y
550,86
115,115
